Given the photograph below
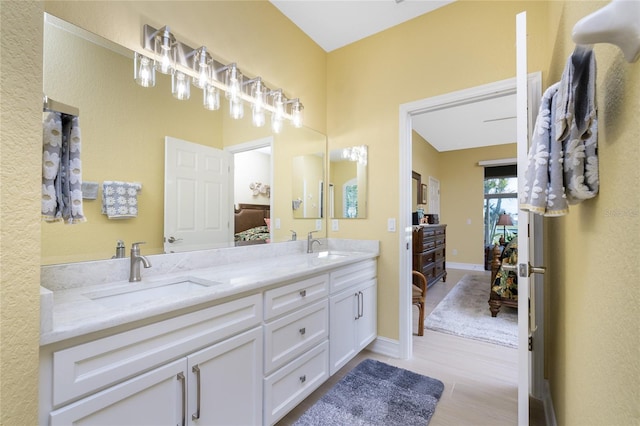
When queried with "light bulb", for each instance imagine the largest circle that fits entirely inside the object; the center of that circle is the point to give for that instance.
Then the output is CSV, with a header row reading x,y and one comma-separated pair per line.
x,y
180,87
236,108
211,97
144,72
258,117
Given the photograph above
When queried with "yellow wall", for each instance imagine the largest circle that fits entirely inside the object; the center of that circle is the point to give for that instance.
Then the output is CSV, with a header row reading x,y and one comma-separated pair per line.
x,y
462,200
20,171
593,253
461,193
424,57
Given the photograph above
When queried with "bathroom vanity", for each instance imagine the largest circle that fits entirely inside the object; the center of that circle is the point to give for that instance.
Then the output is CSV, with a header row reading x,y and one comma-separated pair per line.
x,y
234,343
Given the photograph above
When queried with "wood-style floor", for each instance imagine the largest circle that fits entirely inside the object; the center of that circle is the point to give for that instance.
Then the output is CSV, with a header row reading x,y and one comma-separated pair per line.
x,y
481,384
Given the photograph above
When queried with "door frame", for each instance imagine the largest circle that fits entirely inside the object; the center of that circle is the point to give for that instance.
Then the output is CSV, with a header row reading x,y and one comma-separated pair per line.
x,y
407,111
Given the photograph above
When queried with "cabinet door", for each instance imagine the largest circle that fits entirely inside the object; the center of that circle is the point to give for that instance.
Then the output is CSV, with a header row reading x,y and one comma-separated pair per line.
x,y
366,324
154,398
225,382
342,328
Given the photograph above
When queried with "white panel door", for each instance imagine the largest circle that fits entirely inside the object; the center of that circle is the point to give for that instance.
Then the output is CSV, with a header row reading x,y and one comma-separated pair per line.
x,y
197,207
530,289
155,398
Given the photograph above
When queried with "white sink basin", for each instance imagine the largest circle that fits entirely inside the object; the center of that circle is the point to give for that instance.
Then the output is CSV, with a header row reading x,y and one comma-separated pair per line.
x,y
138,293
329,255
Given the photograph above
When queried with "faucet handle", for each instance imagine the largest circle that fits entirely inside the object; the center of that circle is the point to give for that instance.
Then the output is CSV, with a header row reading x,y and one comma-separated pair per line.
x,y
294,236
311,233
135,247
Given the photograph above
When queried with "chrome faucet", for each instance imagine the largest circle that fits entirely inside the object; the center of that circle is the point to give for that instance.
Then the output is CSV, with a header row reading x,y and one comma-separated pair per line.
x,y
136,258
294,236
310,242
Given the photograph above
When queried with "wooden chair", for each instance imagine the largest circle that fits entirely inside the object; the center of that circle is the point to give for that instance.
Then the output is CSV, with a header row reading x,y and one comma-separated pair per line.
x,y
419,293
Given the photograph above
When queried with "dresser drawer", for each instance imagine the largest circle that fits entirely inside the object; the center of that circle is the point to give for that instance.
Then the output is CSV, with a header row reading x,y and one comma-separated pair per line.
x,y
439,268
438,255
351,275
291,335
89,367
292,296
288,386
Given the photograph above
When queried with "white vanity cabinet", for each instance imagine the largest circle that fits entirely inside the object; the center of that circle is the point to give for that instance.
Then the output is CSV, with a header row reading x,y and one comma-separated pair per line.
x,y
203,367
246,360
353,311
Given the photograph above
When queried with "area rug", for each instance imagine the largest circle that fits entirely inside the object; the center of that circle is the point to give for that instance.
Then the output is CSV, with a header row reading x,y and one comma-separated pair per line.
x,y
375,393
465,312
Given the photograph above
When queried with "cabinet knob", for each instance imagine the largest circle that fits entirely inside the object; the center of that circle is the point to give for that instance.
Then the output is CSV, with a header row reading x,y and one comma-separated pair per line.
x,y
303,378
303,293
303,330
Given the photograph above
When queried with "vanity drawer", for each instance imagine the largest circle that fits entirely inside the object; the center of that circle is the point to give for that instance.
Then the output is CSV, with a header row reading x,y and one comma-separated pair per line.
x,y
288,386
292,296
295,333
351,275
89,367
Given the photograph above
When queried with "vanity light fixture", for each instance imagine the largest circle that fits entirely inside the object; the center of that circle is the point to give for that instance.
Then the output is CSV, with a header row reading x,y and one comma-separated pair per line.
x,y
356,153
144,71
187,65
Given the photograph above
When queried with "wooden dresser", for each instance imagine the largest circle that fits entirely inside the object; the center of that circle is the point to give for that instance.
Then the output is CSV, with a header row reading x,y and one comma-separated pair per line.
x,y
429,252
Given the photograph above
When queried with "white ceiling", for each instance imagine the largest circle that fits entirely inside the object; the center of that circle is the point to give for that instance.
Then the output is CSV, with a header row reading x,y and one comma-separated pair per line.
x,y
336,23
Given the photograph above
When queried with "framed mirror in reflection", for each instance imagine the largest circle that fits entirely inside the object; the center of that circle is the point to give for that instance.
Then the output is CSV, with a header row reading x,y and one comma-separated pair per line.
x,y
347,193
123,129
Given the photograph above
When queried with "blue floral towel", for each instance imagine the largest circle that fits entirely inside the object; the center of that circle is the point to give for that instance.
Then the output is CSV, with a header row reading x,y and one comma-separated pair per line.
x,y
120,199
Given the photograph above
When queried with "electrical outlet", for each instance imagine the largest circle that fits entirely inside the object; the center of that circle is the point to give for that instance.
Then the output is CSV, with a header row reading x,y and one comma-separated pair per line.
x,y
318,224
277,223
334,225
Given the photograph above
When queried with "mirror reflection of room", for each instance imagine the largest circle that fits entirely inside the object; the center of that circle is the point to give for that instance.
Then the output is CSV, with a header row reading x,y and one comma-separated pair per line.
x,y
124,141
347,198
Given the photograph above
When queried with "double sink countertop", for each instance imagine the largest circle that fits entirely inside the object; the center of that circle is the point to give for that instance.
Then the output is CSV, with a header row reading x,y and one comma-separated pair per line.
x,y
83,298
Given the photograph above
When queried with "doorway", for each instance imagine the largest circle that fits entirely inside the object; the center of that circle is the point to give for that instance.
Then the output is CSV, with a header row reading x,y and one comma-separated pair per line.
x,y
408,112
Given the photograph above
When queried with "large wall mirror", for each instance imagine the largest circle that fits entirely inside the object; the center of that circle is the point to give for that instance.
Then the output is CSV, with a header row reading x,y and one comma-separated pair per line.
x,y
123,128
347,192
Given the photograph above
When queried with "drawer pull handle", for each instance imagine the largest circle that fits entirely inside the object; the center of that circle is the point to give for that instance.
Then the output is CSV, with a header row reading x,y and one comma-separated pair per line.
x,y
184,398
303,330
303,378
196,370
303,293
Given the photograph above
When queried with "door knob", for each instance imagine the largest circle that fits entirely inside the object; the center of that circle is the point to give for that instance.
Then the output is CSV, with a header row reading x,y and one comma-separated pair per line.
x,y
173,239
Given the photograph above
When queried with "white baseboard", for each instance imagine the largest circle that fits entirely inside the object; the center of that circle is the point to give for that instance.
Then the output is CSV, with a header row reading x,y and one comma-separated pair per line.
x,y
547,402
466,266
385,346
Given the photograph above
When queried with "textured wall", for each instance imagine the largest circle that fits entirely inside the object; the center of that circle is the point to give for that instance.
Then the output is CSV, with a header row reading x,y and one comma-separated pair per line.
x,y
593,254
20,165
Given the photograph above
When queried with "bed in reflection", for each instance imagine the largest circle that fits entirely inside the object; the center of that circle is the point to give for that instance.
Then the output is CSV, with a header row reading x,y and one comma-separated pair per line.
x,y
252,224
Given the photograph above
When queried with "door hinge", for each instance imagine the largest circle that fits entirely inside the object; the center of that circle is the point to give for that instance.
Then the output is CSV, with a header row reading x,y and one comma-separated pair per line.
x,y
530,343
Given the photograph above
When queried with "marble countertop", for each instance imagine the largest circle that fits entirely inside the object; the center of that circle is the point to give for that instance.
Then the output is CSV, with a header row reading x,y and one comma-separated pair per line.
x,y
75,311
